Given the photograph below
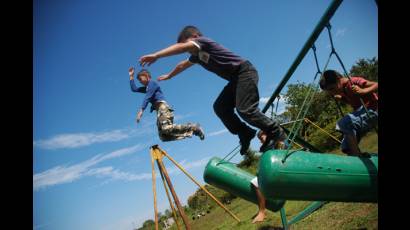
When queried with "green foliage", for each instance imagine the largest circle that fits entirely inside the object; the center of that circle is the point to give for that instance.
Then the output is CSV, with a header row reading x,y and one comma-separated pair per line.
x,y
368,68
322,111
296,96
168,213
148,225
326,143
201,202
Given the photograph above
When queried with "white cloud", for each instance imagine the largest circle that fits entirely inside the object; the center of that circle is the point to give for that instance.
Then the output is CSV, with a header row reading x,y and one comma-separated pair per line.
x,y
195,164
121,152
76,140
114,174
67,174
264,100
341,32
281,104
178,117
64,174
189,165
216,133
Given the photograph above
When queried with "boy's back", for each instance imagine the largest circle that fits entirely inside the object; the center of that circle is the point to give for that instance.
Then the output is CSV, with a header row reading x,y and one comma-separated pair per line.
x,y
216,58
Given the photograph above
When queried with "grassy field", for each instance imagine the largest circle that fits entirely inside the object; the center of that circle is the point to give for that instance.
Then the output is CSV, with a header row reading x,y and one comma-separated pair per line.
x,y
333,215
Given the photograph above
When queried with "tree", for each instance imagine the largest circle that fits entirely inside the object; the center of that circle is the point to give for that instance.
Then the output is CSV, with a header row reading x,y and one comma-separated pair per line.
x,y
322,110
148,224
168,213
368,68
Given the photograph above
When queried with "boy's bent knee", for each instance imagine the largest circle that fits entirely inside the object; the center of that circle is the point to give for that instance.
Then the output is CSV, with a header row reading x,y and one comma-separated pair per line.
x,y
219,108
345,125
246,112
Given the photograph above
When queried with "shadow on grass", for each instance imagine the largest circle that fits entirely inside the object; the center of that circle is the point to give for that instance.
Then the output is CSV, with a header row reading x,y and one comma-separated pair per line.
x,y
270,228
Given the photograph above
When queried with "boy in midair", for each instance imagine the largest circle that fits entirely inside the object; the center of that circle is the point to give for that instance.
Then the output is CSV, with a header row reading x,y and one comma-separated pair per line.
x,y
241,92
167,130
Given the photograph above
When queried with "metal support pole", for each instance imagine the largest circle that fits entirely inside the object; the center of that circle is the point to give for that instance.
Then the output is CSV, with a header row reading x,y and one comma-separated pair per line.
x,y
307,211
202,187
171,188
154,191
304,143
170,201
283,218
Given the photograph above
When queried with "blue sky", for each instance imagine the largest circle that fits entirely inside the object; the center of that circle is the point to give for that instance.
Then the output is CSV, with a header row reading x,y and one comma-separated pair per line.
x,y
91,167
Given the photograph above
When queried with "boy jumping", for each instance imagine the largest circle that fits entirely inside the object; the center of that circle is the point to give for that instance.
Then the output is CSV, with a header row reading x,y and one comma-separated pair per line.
x,y
241,92
167,130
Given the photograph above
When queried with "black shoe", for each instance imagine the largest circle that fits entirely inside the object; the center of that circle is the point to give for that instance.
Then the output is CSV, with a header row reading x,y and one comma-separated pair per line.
x,y
198,131
245,140
267,145
279,139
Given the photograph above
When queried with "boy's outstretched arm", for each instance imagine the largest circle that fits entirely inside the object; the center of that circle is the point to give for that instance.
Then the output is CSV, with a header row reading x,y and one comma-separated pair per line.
x,y
177,48
139,115
134,88
183,65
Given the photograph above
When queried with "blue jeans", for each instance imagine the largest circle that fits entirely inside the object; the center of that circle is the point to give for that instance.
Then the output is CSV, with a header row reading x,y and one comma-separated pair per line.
x,y
357,124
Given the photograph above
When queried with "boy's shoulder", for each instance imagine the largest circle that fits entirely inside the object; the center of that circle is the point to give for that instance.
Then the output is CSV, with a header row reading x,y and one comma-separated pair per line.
x,y
358,80
203,39
358,77
153,82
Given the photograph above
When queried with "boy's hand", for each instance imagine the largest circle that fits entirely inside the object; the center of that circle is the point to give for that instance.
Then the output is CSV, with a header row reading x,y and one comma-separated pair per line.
x,y
338,97
139,115
148,59
131,72
163,77
356,89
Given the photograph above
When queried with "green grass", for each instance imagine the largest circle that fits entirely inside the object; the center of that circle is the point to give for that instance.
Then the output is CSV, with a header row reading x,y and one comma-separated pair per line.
x,y
333,215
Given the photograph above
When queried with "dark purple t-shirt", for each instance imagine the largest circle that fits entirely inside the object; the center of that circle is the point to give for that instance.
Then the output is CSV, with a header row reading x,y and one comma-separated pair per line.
x,y
216,58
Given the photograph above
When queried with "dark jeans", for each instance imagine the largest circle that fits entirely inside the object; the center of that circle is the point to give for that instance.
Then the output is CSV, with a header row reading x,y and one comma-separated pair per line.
x,y
242,94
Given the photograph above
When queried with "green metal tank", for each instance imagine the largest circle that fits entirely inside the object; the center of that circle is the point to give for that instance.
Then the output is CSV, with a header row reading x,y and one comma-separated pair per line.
x,y
318,176
227,176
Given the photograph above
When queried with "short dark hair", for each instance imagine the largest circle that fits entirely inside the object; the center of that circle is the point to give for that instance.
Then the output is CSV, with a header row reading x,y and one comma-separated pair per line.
x,y
329,77
187,32
143,71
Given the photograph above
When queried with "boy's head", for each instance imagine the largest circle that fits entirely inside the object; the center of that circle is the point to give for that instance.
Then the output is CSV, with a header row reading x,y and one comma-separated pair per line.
x,y
144,76
330,81
188,32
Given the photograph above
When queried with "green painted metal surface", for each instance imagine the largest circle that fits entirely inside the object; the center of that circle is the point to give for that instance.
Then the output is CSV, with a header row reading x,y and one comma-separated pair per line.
x,y
307,211
317,176
228,177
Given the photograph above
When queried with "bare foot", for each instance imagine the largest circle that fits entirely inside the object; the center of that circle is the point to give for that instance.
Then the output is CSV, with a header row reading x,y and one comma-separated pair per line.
x,y
259,218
